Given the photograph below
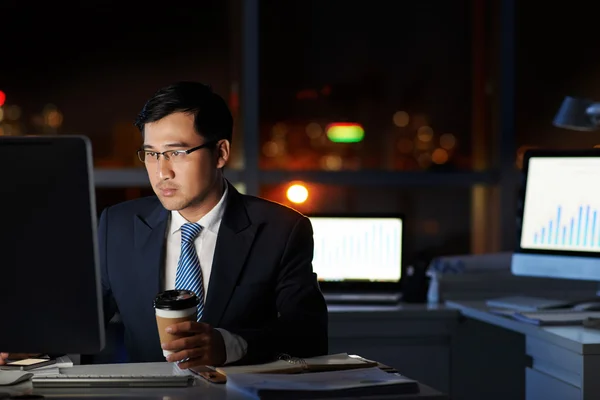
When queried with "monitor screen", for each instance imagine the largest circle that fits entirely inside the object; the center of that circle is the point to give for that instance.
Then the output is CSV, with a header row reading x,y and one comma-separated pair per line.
x,y
51,297
562,204
357,248
559,230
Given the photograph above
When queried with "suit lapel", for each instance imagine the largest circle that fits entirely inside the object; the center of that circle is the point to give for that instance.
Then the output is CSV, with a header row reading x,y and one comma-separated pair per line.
x,y
149,237
234,241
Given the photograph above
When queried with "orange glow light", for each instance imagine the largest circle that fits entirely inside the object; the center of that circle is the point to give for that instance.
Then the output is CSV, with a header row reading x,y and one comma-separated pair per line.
x,y
297,193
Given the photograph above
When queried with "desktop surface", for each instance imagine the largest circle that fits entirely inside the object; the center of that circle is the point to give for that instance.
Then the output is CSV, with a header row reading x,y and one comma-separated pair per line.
x,y
200,386
574,338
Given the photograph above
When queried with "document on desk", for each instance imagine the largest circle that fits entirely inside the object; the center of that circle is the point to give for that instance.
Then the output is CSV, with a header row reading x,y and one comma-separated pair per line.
x,y
356,382
292,365
61,362
556,317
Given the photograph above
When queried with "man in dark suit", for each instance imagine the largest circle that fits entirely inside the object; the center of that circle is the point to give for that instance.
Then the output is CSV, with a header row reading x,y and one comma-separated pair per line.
x,y
248,260
252,258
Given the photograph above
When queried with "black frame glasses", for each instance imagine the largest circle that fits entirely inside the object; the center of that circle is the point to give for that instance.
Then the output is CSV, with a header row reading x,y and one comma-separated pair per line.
x,y
170,153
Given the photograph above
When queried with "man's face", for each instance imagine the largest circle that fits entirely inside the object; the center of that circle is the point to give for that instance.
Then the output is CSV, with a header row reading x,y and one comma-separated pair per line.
x,y
184,180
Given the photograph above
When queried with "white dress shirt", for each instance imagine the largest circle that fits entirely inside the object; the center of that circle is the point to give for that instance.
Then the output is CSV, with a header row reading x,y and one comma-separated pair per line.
x,y
205,244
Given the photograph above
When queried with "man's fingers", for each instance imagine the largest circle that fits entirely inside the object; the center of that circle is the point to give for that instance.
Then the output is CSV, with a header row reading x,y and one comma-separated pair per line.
x,y
187,356
188,342
188,327
195,362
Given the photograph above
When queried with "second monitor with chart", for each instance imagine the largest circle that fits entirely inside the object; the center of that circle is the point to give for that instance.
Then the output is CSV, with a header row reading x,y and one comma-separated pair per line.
x,y
559,234
562,204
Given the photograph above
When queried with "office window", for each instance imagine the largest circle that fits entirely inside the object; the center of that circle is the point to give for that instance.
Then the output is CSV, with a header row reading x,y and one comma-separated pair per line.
x,y
91,74
106,197
358,85
546,74
437,219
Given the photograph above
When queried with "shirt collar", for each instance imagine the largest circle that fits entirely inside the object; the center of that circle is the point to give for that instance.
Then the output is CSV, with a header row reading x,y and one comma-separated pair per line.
x,y
211,220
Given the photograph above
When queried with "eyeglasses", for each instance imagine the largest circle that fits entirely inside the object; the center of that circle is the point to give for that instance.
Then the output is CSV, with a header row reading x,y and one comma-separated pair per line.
x,y
147,156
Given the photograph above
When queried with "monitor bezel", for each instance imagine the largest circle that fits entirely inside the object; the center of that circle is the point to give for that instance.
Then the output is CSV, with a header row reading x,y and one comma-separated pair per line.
x,y
548,153
364,285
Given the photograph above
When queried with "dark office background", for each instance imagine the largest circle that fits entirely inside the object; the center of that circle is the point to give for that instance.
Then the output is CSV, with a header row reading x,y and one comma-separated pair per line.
x,y
429,81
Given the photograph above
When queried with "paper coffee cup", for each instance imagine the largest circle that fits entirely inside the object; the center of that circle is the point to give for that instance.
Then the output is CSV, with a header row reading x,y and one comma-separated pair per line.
x,y
172,307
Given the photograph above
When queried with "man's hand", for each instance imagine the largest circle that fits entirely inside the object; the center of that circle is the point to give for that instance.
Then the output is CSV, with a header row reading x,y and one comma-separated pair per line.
x,y
198,345
15,356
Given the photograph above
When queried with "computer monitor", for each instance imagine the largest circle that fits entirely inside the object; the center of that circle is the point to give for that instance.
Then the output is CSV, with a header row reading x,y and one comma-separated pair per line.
x,y
559,225
50,297
361,252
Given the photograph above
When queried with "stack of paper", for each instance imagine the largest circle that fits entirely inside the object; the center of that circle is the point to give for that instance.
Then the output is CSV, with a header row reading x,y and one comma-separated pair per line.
x,y
356,382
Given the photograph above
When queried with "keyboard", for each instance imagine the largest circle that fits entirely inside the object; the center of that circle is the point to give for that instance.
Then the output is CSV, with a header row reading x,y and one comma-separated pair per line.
x,y
362,298
93,381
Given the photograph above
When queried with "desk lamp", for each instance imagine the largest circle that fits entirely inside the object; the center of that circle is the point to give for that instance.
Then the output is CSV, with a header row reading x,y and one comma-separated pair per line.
x,y
578,114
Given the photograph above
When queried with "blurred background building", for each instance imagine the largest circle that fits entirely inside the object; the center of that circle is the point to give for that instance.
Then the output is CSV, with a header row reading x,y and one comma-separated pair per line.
x,y
415,107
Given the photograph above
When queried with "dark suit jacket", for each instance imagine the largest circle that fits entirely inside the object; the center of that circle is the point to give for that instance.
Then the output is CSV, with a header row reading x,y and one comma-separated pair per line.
x,y
261,286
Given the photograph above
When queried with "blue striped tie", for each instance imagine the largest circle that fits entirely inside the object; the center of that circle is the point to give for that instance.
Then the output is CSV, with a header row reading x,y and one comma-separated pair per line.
x,y
189,273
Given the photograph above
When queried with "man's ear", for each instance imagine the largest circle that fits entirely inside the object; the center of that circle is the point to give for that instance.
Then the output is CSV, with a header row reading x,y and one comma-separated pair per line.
x,y
222,152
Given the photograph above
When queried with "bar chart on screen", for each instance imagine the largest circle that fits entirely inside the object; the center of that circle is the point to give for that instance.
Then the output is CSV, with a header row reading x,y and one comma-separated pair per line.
x,y
357,249
562,206
577,230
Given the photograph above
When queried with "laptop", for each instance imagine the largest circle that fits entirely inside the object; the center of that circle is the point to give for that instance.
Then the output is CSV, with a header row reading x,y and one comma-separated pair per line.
x,y
358,258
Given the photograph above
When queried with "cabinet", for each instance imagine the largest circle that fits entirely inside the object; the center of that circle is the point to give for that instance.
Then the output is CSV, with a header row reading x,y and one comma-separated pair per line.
x,y
414,339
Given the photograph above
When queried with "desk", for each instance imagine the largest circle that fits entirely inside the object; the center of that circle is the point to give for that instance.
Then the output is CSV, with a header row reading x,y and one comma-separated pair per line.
x,y
533,362
413,338
201,389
